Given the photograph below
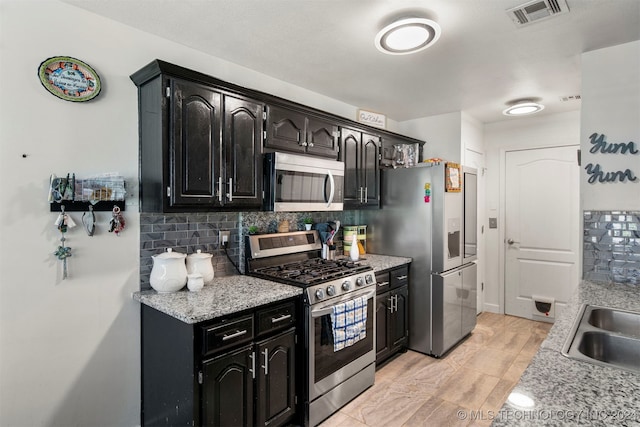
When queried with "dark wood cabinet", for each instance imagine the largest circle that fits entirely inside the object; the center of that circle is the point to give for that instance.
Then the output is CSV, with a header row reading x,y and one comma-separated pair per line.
x,y
227,395
392,317
360,153
242,150
200,147
202,139
275,380
194,143
298,132
235,371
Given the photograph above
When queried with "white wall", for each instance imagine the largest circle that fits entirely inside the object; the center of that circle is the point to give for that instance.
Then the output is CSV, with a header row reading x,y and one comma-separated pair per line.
x,y
499,137
69,350
611,106
443,134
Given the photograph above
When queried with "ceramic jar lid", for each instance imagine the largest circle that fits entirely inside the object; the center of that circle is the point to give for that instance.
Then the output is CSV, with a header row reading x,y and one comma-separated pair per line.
x,y
199,255
170,255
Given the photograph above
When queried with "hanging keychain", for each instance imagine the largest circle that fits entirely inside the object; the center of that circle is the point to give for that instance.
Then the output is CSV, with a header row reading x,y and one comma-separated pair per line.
x,y
63,222
89,221
117,221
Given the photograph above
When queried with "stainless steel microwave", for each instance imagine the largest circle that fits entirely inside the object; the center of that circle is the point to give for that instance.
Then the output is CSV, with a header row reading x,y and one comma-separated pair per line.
x,y
294,183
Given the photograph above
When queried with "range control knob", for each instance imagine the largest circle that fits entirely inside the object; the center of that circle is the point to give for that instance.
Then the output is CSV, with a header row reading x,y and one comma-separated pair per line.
x,y
346,286
331,290
369,279
319,294
359,281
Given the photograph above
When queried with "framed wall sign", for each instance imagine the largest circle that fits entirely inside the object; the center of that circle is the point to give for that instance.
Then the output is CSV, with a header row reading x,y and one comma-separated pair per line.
x,y
69,79
373,119
453,178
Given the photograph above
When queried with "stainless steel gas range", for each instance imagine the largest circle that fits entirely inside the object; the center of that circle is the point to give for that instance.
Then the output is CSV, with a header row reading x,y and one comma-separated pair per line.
x,y
339,316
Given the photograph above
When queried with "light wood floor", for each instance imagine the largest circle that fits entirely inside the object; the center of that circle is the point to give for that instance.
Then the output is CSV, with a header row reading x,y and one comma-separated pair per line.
x,y
478,375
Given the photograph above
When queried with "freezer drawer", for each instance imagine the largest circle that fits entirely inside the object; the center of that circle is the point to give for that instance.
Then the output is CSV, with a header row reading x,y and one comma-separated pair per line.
x,y
453,307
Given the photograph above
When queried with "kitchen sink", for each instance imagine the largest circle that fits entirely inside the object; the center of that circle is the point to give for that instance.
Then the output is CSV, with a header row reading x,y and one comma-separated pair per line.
x,y
623,322
605,336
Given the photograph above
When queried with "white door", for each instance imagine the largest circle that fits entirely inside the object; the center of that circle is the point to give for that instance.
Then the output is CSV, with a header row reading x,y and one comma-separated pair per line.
x,y
542,228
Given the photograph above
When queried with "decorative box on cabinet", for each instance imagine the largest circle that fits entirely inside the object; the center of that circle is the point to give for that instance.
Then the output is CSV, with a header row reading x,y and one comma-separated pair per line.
x,y
360,153
200,146
389,141
239,371
298,132
392,321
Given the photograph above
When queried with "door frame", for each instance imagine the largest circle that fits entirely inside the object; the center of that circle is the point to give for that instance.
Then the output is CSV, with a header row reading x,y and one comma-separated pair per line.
x,y
502,208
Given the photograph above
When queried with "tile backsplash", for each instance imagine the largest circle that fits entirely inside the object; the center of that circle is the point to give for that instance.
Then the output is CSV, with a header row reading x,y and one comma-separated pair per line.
x,y
188,232
611,251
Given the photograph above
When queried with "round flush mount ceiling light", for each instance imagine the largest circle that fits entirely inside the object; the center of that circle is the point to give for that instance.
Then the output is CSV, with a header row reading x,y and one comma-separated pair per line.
x,y
523,107
408,35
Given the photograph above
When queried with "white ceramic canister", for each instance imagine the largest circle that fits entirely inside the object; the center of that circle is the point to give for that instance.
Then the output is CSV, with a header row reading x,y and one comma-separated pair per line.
x,y
195,282
169,272
200,263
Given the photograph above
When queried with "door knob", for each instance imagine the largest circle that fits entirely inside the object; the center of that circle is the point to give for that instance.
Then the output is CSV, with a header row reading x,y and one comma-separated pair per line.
x,y
511,241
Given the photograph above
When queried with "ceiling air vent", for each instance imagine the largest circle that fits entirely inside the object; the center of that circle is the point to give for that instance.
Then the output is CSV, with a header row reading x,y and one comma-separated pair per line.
x,y
537,10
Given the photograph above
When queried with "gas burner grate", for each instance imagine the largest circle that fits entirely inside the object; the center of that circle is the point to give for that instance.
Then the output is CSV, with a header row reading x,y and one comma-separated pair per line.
x,y
312,271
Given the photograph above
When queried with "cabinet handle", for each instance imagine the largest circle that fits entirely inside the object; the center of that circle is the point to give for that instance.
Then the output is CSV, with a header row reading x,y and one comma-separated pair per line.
x,y
266,361
281,318
234,335
390,304
303,143
311,144
253,364
366,194
395,302
402,277
230,193
220,189
383,283
360,194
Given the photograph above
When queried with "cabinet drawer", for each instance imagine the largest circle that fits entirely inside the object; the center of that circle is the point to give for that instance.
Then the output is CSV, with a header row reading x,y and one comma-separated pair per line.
x,y
226,334
399,276
382,282
275,318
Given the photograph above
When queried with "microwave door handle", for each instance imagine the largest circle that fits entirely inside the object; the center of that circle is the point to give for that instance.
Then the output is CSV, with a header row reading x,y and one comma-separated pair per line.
x,y
333,185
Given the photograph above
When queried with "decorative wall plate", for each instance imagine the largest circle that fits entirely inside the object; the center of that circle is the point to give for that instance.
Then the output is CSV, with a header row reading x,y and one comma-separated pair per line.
x,y
69,79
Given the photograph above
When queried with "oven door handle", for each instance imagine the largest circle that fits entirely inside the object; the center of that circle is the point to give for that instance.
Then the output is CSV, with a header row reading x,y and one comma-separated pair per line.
x,y
319,312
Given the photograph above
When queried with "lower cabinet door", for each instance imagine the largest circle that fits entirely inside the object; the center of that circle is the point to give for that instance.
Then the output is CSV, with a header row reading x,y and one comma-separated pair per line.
x,y
383,315
227,398
400,327
275,379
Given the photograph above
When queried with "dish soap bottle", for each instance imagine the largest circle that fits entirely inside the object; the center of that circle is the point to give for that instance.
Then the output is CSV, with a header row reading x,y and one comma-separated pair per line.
x,y
354,253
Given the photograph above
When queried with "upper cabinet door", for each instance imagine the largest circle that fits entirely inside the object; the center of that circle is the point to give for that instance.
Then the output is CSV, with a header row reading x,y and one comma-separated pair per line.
x,y
242,145
361,169
285,129
322,138
351,146
295,131
194,145
371,169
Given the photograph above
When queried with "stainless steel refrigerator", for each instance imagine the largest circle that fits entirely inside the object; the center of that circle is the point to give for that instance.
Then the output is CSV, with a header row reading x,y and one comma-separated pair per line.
x,y
440,234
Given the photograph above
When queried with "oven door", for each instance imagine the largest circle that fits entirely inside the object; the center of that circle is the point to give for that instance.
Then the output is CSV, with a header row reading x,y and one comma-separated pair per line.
x,y
329,368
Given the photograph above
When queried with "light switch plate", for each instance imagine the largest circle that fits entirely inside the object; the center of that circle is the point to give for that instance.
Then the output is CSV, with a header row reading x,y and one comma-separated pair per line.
x,y
493,222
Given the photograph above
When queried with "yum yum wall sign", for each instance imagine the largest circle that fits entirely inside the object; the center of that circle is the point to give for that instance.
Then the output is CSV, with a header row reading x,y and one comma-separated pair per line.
x,y
599,145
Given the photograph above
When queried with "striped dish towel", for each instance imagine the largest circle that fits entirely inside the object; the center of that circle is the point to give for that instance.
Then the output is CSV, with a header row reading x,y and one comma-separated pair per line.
x,y
349,322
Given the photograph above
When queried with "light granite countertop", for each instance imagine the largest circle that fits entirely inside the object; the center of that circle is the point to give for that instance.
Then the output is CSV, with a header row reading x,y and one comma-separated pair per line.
x,y
383,262
226,295
571,392
232,294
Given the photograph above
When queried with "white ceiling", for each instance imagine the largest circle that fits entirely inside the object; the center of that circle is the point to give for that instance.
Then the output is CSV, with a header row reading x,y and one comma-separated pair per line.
x,y
481,62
